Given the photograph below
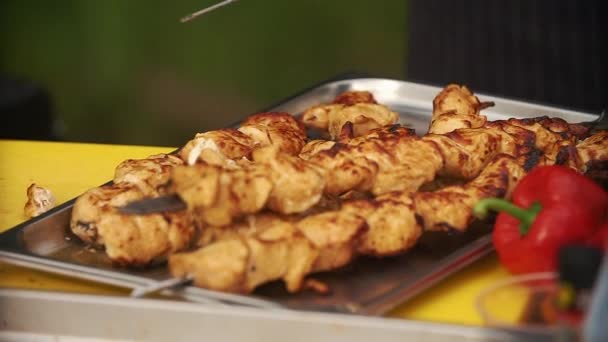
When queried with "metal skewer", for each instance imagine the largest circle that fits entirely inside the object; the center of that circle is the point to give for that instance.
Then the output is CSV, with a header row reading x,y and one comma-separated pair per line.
x,y
206,10
176,286
154,205
142,291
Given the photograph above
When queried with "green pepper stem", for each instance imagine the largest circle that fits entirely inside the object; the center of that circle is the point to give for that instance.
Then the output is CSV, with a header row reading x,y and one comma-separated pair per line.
x,y
525,216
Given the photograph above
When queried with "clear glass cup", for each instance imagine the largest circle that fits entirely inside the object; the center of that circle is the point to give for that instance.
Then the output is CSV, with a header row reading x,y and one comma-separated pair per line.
x,y
525,303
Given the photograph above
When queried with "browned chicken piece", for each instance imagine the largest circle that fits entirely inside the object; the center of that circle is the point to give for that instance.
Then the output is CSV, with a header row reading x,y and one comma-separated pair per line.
x,y
360,109
148,174
586,155
591,157
315,146
564,129
267,247
450,209
392,224
129,239
350,98
456,107
297,184
270,248
594,148
281,182
382,133
226,147
466,152
388,159
543,138
39,200
220,147
216,195
280,130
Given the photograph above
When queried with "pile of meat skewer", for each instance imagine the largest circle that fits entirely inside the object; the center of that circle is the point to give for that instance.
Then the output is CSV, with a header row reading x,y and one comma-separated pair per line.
x,y
264,203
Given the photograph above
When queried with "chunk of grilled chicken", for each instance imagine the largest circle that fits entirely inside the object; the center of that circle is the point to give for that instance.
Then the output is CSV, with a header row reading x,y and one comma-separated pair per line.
x,y
590,157
382,133
450,208
128,239
456,107
224,147
359,108
219,147
314,147
588,154
148,174
280,130
39,201
279,181
268,247
391,158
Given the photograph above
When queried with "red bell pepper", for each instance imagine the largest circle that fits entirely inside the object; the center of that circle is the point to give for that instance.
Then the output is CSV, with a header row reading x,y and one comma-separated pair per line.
x,y
600,238
552,206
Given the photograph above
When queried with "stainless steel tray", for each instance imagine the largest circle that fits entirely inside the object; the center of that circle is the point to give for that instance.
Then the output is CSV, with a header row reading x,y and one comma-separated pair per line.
x,y
369,286
101,318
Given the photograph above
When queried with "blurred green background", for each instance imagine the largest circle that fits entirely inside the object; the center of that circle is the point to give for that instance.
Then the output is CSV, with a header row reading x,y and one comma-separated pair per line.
x,y
126,71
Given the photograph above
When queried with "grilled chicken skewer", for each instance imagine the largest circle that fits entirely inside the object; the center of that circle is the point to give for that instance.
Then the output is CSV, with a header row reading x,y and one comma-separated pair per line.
x,y
268,247
386,159
229,149
218,205
129,240
401,161
144,239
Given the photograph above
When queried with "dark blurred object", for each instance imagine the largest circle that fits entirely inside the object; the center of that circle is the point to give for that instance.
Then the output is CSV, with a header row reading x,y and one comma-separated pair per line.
x,y
547,51
25,110
578,267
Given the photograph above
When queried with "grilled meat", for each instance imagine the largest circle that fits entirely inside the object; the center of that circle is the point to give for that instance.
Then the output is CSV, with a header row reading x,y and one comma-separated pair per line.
x,y
456,107
390,158
233,179
280,130
220,147
493,155
360,109
281,182
128,240
139,240
225,146
39,200
268,247
395,159
149,174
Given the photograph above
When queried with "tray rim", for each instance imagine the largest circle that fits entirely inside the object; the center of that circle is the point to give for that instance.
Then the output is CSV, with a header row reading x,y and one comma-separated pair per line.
x,y
45,299
482,245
